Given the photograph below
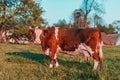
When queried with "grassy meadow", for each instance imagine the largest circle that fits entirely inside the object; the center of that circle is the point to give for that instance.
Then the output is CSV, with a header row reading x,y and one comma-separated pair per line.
x,y
26,62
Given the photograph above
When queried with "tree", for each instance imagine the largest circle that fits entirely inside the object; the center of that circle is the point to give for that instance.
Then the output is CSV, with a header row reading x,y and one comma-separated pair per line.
x,y
109,30
102,28
6,12
31,13
20,12
116,25
62,23
97,20
94,6
27,10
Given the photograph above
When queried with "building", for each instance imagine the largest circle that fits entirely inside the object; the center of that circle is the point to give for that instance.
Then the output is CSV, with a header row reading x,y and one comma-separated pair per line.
x,y
115,38
106,39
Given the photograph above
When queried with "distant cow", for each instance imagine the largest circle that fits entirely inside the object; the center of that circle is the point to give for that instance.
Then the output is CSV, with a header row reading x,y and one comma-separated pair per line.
x,y
72,41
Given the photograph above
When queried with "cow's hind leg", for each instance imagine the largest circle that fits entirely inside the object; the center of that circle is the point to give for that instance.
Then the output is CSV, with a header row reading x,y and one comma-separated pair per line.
x,y
100,54
98,58
97,62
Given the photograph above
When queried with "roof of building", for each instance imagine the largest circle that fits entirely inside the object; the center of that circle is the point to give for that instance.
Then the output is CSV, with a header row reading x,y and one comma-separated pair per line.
x,y
106,39
114,37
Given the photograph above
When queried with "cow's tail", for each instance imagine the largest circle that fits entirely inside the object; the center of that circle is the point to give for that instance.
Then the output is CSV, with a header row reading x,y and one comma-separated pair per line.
x,y
100,50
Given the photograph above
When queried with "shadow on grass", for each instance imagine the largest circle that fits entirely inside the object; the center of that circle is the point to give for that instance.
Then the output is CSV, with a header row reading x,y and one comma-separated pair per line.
x,y
41,59
31,56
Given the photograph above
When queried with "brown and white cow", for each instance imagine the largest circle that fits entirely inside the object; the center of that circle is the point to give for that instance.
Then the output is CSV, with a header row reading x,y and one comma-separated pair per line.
x,y
72,41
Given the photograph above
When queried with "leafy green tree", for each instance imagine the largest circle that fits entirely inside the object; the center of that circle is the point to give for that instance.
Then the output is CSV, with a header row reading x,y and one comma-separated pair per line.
x,y
20,12
6,13
109,30
62,23
102,28
31,13
97,20
21,29
116,25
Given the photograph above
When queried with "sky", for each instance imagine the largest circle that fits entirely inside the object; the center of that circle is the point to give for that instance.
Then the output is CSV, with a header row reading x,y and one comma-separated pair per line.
x,y
63,9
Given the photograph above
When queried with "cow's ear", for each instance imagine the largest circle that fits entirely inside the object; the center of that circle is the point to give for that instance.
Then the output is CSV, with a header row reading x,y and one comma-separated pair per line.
x,y
30,30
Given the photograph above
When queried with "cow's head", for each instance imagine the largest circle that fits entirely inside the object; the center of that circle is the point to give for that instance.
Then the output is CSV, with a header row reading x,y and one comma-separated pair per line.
x,y
37,31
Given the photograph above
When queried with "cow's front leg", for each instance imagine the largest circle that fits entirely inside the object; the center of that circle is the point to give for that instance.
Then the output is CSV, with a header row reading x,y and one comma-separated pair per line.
x,y
53,55
96,61
51,63
56,60
51,60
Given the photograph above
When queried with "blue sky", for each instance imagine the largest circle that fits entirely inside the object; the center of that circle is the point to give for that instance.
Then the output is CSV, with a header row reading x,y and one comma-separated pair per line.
x,y
62,9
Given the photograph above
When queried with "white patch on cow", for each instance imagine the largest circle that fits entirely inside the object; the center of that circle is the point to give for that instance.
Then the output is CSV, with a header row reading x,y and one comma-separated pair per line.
x,y
51,65
55,56
100,51
38,32
96,63
12,40
47,51
56,64
3,34
83,46
56,32
86,54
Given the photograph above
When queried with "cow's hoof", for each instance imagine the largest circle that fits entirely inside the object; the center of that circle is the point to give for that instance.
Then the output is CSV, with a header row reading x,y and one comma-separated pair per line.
x,y
57,65
51,66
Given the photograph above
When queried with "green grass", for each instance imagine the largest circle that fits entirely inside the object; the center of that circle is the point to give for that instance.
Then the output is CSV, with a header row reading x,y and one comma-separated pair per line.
x,y
26,62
